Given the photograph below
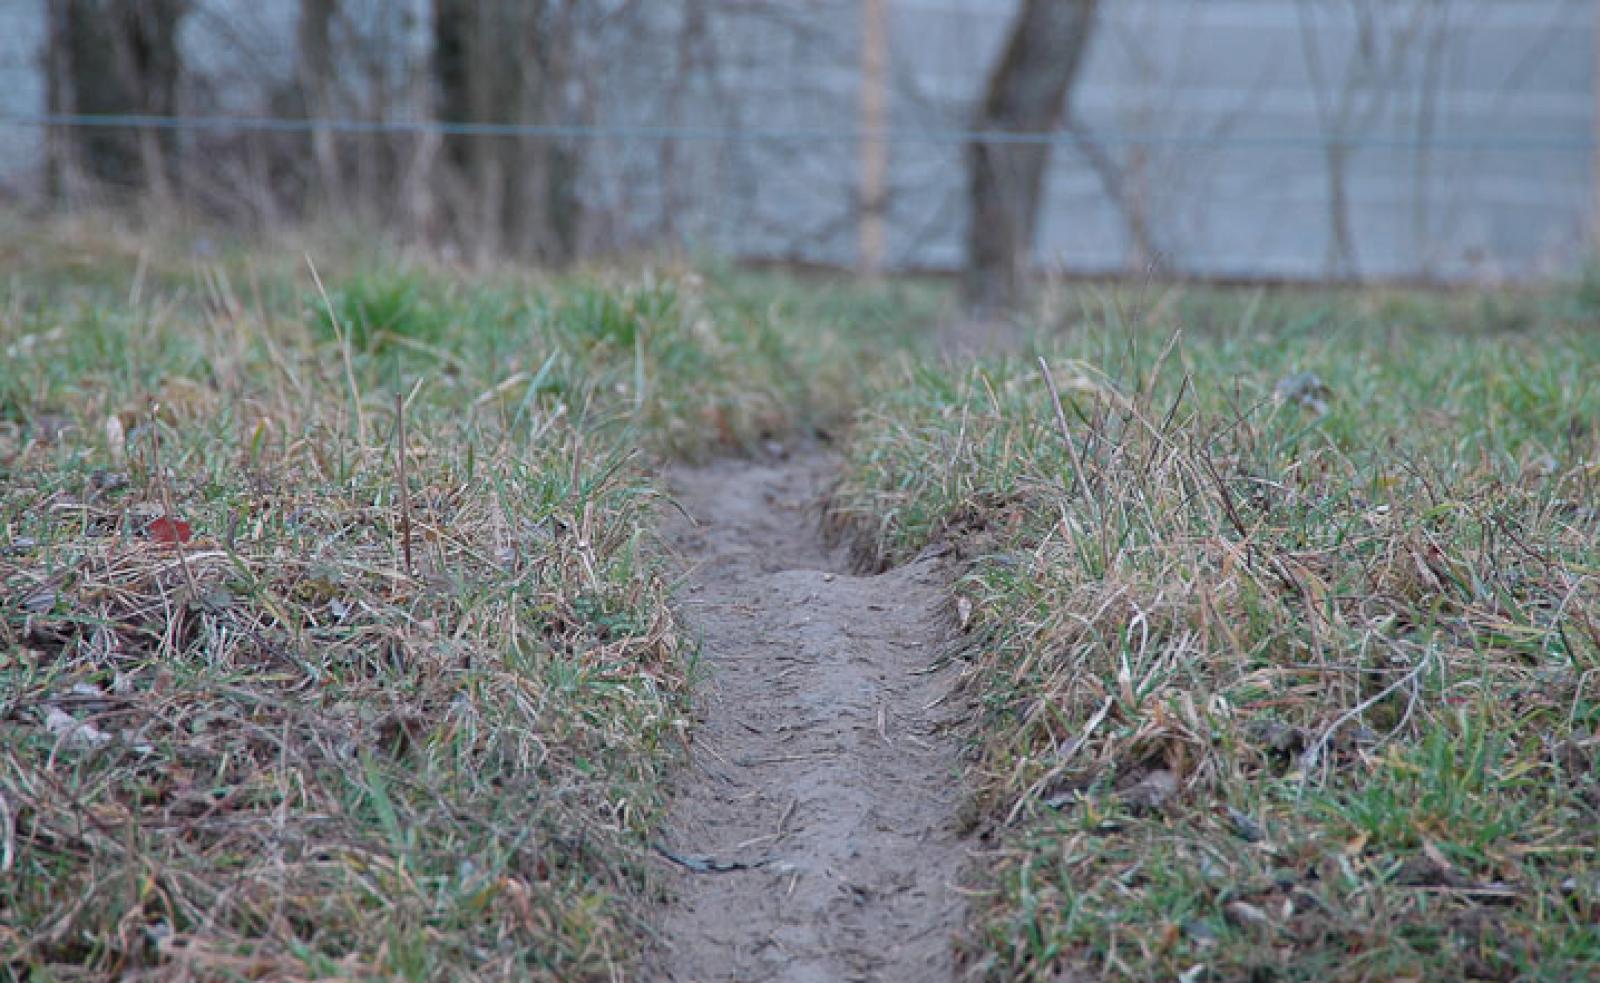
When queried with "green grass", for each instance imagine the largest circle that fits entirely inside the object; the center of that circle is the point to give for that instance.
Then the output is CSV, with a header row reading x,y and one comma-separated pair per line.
x,y
1268,692
285,749
1268,689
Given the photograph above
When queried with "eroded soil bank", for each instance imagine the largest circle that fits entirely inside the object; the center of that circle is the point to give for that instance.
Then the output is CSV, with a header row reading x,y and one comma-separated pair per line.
x,y
813,833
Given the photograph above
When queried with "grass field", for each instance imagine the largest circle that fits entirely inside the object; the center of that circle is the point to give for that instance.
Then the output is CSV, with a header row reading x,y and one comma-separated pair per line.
x,y
288,690
1286,626
334,640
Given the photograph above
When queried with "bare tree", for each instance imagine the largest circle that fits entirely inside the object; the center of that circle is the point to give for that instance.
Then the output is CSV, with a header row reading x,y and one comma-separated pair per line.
x,y
1148,182
1027,91
1384,34
318,76
504,61
109,58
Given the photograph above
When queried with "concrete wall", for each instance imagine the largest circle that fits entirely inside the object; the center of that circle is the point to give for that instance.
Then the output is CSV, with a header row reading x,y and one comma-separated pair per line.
x,y
21,91
1470,155
1474,157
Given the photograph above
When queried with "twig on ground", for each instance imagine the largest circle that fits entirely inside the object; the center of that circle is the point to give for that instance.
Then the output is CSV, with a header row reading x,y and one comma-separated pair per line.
x,y
1313,754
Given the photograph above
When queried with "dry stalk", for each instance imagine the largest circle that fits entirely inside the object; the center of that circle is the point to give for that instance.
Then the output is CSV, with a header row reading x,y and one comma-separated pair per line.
x,y
1312,757
405,484
344,351
166,497
1061,422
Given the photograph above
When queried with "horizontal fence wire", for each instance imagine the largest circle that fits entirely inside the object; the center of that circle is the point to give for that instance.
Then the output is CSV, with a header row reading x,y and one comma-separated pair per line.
x,y
1497,143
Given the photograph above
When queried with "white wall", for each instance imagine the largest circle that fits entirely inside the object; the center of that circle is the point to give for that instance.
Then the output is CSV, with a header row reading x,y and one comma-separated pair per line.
x,y
21,91
1233,176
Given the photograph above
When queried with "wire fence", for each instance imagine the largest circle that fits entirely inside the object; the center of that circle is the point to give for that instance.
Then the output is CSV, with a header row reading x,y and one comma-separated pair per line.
x,y
1255,138
1511,143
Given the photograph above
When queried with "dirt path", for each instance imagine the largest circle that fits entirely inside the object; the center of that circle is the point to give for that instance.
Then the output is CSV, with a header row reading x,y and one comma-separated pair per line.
x,y
811,837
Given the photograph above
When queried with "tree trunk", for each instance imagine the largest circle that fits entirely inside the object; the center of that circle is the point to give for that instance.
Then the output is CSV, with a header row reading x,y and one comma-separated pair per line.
x,y
61,169
318,76
505,61
452,51
1027,91
1341,240
550,210
115,57
463,70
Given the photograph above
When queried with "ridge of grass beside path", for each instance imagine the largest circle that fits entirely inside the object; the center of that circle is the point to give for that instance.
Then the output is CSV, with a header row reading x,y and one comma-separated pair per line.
x,y
1294,682
274,751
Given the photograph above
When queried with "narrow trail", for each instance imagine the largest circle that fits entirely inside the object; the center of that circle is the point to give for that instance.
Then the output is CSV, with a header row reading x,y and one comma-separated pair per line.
x,y
812,835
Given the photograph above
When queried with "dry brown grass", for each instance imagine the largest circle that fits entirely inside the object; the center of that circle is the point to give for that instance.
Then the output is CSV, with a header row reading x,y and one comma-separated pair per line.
x,y
1272,695
351,728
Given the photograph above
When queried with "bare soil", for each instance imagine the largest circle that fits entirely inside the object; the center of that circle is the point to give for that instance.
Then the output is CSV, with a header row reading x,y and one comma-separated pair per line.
x,y
813,832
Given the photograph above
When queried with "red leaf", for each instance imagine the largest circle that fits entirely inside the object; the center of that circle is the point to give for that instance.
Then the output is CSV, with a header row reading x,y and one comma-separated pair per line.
x,y
169,530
